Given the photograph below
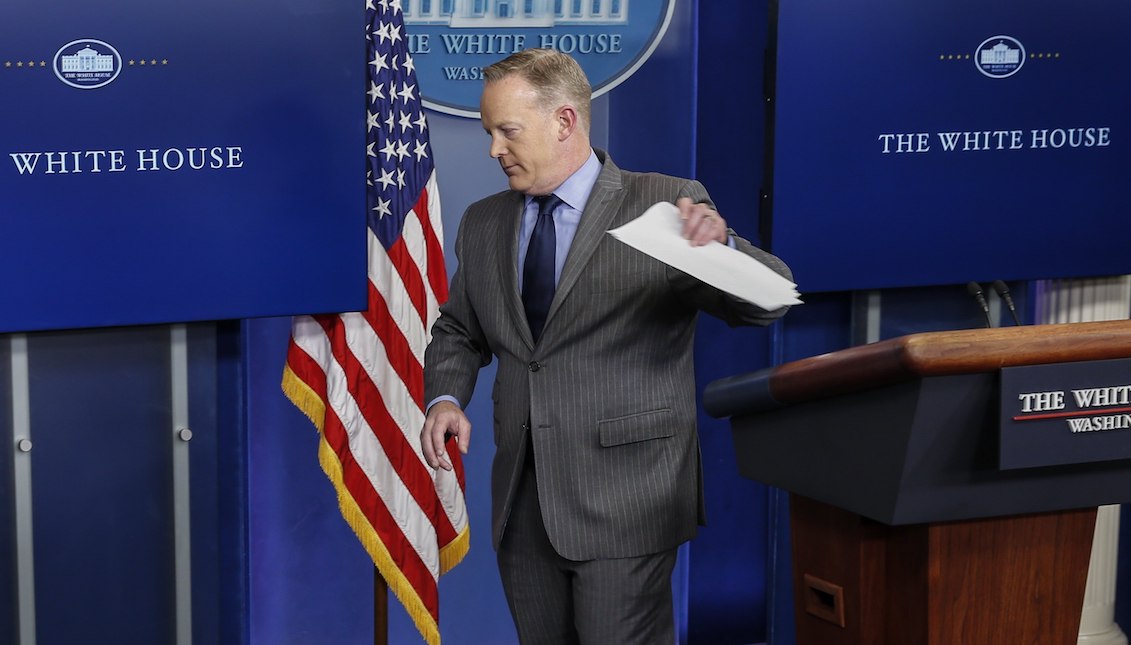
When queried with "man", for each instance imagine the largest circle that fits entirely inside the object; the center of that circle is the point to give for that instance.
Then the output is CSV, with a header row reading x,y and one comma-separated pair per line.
x,y
596,477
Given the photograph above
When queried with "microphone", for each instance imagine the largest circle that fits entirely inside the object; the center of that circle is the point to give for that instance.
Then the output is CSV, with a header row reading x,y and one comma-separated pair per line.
x,y
1003,291
975,289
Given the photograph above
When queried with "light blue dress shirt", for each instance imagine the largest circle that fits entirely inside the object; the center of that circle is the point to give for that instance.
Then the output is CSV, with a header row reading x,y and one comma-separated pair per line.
x,y
574,192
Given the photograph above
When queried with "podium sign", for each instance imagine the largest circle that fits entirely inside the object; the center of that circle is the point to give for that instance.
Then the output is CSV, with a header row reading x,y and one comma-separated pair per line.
x,y
1067,413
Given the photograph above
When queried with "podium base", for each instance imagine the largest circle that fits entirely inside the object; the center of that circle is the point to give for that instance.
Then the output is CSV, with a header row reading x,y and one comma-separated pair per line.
x,y
1018,579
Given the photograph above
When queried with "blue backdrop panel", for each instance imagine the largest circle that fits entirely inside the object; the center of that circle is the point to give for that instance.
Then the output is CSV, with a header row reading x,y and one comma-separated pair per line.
x,y
909,136
208,164
101,486
8,595
729,585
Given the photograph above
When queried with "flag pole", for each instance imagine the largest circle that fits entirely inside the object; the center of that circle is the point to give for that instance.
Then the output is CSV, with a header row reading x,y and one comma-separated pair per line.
x,y
380,609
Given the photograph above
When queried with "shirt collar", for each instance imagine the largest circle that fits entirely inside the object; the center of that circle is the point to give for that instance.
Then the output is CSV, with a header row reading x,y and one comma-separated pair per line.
x,y
575,190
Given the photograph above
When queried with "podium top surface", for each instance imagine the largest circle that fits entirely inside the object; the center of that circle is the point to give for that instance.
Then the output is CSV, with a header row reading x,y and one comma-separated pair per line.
x,y
919,355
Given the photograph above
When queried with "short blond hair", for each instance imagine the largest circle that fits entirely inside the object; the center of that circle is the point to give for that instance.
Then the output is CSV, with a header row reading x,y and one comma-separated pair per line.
x,y
556,77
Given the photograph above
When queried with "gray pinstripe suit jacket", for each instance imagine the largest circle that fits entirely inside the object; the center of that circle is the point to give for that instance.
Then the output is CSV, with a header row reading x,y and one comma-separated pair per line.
x,y
608,390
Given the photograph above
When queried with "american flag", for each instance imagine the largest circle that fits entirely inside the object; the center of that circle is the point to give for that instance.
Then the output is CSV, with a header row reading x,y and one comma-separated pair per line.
x,y
359,376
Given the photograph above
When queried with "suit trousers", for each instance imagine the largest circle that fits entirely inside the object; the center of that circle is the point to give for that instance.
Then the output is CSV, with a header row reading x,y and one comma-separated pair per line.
x,y
555,601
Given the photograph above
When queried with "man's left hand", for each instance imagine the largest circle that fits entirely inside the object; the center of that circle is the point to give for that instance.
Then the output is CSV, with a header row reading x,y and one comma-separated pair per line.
x,y
701,223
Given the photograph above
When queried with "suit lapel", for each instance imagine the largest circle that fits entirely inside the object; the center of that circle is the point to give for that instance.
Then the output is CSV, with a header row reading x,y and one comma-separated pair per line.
x,y
604,202
508,266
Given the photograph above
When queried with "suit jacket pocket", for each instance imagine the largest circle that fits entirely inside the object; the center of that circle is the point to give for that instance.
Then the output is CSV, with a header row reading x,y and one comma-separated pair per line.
x,y
642,426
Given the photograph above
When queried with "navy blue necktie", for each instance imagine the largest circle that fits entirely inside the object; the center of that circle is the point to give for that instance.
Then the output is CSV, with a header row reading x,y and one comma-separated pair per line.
x,y
538,272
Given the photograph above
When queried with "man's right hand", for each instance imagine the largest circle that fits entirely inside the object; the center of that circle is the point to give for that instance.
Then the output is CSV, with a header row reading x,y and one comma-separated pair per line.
x,y
444,419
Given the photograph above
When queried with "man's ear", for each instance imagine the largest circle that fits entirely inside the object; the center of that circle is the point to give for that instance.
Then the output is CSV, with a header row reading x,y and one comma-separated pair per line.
x,y
568,121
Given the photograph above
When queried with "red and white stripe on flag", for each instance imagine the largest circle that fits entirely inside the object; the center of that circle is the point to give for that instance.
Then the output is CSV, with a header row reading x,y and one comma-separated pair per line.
x,y
360,376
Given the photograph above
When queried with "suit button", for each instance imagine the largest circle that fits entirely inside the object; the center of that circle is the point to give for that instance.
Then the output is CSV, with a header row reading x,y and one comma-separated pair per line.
x,y
535,366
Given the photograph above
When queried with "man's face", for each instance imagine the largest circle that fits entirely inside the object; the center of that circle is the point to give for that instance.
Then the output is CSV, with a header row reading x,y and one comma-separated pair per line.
x,y
524,136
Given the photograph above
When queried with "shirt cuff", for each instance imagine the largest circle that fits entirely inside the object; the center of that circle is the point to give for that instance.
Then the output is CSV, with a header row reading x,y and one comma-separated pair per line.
x,y
442,397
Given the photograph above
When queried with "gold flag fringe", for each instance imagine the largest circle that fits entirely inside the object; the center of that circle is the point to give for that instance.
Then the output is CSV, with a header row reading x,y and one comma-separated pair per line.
x,y
314,407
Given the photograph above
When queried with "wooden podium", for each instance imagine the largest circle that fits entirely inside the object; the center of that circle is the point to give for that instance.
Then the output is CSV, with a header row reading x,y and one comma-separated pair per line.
x,y
912,522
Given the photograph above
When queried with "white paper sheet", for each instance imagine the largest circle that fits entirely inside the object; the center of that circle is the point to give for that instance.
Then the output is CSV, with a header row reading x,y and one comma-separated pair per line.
x,y
658,233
